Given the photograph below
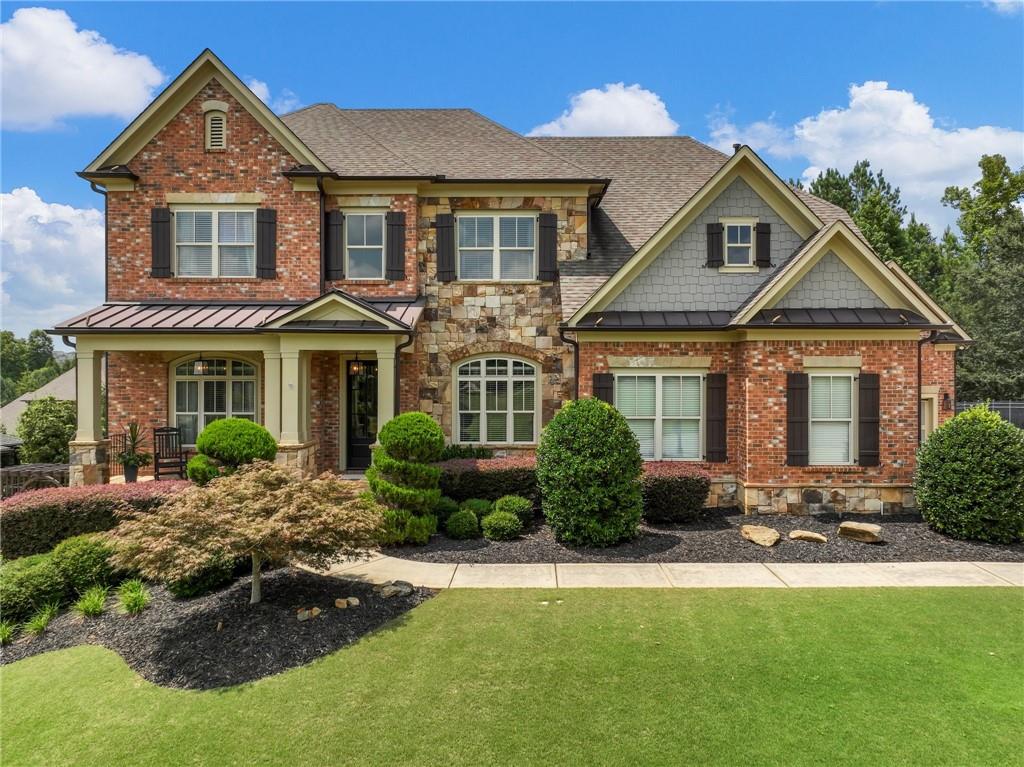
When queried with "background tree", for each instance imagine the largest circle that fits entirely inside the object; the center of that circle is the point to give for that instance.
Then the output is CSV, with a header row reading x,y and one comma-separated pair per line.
x,y
45,428
990,202
263,511
27,363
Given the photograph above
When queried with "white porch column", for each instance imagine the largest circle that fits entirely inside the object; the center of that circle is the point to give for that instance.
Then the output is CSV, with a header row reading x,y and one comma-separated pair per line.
x,y
272,393
385,386
88,367
291,396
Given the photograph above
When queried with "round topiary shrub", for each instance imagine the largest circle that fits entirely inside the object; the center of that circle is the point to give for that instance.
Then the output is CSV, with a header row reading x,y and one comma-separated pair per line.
x,y
201,469
235,441
412,437
445,508
588,470
479,506
463,525
501,526
516,504
970,478
83,561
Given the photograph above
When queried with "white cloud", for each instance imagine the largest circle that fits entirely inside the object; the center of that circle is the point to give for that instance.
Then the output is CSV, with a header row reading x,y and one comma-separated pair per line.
x,y
286,101
616,109
1007,7
892,130
52,260
52,70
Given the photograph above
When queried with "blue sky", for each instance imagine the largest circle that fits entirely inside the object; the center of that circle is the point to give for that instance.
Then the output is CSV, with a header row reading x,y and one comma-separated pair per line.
x,y
803,83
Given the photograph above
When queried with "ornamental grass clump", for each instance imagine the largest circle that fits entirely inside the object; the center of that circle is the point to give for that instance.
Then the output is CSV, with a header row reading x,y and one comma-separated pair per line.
x,y
37,624
402,478
133,596
263,512
588,469
970,478
8,630
92,602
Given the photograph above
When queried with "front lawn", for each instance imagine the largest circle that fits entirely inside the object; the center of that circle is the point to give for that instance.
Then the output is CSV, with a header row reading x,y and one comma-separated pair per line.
x,y
894,676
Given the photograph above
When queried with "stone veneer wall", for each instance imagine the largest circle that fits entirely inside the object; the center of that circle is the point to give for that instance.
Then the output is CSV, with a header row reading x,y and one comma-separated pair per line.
x,y
467,318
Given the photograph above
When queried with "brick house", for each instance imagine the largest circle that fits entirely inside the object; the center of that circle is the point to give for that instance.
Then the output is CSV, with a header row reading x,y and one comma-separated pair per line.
x,y
321,271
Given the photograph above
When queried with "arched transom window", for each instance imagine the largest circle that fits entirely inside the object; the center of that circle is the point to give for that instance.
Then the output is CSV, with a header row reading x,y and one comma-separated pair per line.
x,y
208,389
497,401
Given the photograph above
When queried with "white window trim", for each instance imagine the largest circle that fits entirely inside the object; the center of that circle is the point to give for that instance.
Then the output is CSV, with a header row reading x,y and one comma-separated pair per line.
x,y
853,420
483,378
215,209
173,388
496,245
382,212
749,267
658,374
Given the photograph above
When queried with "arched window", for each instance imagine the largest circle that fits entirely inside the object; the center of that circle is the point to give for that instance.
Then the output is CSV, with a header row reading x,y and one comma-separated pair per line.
x,y
207,389
497,401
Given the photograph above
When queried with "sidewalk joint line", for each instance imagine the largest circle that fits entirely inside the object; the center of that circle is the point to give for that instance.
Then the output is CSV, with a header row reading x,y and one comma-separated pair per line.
x,y
778,577
984,569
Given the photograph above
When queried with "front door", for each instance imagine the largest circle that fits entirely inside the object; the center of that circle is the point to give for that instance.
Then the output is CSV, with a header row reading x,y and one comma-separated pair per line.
x,y
362,412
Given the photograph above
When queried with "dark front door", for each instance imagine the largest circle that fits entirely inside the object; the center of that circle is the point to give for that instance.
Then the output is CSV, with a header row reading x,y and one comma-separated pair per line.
x,y
362,413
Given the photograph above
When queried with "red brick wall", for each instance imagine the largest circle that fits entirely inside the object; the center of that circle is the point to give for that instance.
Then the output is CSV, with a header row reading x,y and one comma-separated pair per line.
x,y
176,160
938,368
136,391
325,413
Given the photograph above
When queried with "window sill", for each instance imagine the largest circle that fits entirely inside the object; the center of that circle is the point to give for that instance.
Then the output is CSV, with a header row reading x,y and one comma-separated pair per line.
x,y
504,282
176,278
839,468
364,281
739,269
500,445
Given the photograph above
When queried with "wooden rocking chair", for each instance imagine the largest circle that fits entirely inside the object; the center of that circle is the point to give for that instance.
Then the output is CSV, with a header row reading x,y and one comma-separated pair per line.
x,y
168,457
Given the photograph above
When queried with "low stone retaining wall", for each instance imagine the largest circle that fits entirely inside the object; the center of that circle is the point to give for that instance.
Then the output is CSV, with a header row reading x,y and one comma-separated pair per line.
x,y
839,499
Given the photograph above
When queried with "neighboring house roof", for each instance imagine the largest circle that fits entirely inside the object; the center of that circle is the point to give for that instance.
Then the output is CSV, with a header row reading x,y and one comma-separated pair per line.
x,y
234,317
456,144
62,387
9,443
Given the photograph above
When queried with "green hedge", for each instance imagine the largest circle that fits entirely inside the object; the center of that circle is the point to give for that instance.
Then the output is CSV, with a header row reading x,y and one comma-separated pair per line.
x,y
673,491
35,521
970,478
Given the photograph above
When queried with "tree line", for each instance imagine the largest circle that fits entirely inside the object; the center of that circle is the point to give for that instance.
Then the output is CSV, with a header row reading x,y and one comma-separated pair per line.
x,y
28,363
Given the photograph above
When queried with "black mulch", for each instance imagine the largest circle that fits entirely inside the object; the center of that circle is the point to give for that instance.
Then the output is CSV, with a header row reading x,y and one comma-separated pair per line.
x,y
176,642
716,538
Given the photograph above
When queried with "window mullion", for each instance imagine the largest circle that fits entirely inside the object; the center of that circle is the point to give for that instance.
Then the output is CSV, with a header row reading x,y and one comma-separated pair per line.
x,y
657,417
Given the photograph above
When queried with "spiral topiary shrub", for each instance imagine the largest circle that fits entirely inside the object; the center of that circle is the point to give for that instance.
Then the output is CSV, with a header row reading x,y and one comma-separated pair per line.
x,y
970,478
401,476
501,526
516,504
588,469
412,437
463,525
236,441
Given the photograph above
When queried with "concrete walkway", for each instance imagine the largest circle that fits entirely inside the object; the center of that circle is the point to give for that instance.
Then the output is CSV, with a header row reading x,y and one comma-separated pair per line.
x,y
682,575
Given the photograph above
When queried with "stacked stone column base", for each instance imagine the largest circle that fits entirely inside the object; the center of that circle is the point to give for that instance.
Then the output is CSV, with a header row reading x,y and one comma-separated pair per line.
x,y
300,458
89,463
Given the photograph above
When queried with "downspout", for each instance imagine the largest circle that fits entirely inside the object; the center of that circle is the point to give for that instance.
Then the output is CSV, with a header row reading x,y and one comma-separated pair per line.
x,y
323,235
920,345
398,379
106,297
575,362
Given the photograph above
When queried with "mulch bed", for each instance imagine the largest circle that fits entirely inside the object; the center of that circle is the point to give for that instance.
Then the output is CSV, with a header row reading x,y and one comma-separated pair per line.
x,y
177,643
716,538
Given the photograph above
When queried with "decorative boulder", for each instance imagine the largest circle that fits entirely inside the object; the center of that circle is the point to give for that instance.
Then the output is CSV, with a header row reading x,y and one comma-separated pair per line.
x,y
865,532
807,535
761,535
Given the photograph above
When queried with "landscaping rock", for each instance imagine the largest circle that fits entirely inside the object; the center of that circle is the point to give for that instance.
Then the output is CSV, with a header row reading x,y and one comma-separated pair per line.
x,y
303,615
807,535
341,604
865,532
761,535
354,601
315,612
395,589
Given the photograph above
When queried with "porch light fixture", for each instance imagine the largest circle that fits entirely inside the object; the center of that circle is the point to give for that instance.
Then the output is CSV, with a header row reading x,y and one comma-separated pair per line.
x,y
200,367
355,367
947,402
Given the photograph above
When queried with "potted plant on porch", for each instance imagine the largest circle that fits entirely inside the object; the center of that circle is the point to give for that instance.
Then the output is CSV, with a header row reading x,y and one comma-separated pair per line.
x,y
132,457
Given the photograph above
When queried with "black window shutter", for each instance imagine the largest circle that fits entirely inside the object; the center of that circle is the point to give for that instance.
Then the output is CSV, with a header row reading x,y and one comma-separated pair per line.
x,y
797,452
763,244
395,261
160,226
604,387
547,247
335,245
715,245
715,439
445,247
868,403
266,243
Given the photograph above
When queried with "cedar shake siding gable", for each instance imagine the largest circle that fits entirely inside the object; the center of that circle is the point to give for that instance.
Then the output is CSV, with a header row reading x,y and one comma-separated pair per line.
x,y
830,284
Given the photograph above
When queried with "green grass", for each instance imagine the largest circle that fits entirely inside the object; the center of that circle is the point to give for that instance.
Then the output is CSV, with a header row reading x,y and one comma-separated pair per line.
x,y
617,677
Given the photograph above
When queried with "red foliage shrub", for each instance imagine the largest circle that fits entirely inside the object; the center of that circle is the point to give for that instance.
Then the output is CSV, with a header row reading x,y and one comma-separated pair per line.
x,y
674,491
489,478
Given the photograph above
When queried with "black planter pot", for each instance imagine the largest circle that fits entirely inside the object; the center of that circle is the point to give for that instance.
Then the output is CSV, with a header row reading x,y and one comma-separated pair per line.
x,y
131,473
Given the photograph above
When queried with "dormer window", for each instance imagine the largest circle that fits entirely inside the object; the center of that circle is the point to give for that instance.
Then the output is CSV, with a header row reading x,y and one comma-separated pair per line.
x,y
215,114
739,241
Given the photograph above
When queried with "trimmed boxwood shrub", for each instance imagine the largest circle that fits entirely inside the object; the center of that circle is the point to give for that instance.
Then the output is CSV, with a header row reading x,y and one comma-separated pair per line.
x,y
516,504
490,478
501,526
83,561
201,469
234,441
463,525
35,521
445,508
673,491
970,478
402,526
588,469
478,506
27,585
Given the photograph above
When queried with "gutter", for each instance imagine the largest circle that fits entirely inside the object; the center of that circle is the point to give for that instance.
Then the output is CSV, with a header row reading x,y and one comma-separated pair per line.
x,y
575,361
323,235
106,289
398,379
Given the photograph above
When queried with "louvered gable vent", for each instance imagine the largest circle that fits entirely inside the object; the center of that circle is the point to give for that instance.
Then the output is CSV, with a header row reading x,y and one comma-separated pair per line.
x,y
216,137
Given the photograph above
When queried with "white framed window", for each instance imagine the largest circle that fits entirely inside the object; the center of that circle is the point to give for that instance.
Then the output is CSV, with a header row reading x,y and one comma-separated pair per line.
x,y
832,408
364,246
497,247
215,242
204,390
665,412
739,241
216,130
497,401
